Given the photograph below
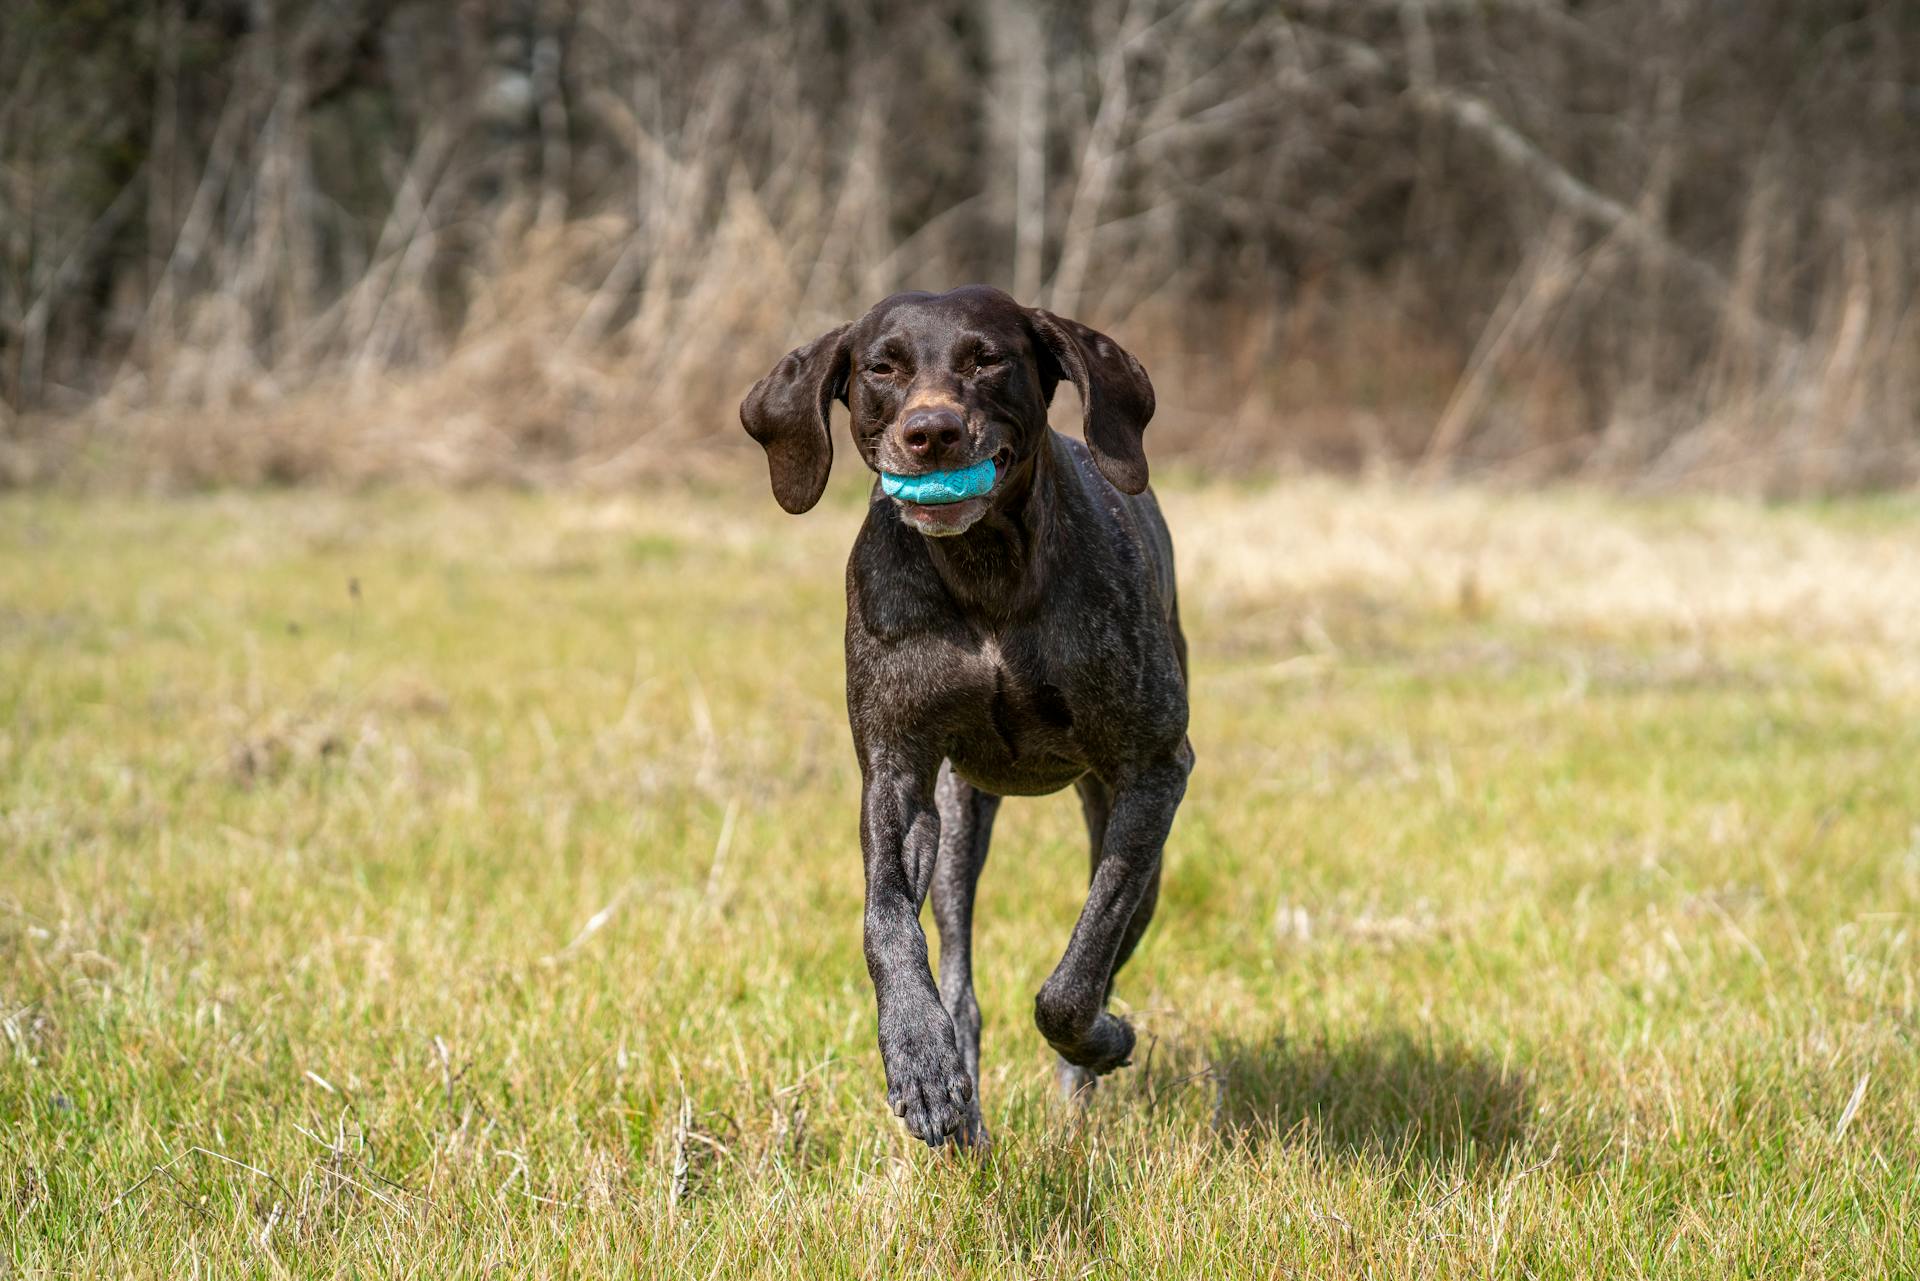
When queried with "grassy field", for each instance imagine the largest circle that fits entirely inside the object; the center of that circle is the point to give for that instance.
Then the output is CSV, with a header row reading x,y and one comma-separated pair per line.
x,y
420,885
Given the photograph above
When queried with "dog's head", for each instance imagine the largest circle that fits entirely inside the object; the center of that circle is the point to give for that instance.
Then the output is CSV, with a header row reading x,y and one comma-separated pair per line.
x,y
942,384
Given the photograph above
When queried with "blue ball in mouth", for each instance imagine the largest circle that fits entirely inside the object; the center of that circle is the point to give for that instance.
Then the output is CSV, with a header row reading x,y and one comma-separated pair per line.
x,y
937,487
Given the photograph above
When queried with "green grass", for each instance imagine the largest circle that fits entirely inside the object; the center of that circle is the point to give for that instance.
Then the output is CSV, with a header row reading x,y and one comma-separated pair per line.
x,y
425,885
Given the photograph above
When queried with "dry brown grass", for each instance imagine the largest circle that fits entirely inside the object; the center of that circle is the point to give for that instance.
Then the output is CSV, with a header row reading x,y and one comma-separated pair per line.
x,y
1693,573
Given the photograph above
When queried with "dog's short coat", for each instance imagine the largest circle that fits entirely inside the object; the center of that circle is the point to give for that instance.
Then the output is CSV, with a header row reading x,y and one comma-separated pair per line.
x,y
1010,644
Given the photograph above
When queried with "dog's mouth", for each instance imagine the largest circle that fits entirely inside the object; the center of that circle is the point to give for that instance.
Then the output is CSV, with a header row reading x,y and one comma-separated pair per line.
x,y
939,488
947,502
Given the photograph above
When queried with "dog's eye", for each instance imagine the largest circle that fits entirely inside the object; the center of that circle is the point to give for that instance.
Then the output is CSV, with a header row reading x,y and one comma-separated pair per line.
x,y
987,360
881,368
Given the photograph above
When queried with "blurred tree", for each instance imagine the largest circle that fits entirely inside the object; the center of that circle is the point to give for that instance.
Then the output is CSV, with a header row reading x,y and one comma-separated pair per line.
x,y
203,199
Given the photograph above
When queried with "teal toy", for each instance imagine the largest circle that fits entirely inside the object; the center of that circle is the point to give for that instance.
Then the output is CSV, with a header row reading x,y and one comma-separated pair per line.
x,y
941,486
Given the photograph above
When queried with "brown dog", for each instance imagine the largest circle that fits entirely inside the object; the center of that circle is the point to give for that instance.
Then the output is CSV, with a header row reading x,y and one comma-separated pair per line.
x,y
1006,643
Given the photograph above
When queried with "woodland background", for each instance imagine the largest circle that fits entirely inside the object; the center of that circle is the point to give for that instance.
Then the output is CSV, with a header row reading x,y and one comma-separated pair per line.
x,y
1660,242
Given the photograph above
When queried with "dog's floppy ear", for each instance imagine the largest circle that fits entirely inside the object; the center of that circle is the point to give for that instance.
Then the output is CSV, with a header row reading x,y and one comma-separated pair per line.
x,y
787,413
1116,399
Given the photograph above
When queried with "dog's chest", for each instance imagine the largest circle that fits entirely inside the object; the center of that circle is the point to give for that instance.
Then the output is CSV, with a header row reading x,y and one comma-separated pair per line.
x,y
1013,731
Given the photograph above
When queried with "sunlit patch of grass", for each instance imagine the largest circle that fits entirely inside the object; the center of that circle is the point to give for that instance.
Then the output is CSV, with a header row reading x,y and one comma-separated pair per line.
x,y
413,883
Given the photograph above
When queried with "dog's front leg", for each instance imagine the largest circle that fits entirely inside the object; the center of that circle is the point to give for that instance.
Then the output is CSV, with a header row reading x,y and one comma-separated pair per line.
x,y
1071,1006
927,1082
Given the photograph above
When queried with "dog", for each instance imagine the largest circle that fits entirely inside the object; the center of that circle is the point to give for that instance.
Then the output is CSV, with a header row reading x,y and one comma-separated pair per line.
x,y
1011,643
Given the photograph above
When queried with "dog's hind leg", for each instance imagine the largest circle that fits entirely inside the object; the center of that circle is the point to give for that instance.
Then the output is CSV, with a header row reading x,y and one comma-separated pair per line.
x,y
966,826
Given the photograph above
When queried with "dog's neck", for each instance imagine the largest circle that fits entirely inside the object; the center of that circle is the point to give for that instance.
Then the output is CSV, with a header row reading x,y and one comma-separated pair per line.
x,y
997,568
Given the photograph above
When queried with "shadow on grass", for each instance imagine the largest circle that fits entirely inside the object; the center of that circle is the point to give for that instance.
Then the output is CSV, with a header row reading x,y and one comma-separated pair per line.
x,y
1387,1095
1417,1112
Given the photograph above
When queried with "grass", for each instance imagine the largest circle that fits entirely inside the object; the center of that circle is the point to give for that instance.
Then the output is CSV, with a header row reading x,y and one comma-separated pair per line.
x,y
417,885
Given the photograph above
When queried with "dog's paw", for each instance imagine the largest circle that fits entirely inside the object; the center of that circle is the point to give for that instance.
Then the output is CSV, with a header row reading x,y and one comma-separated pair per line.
x,y
972,1134
934,1099
927,1084
1107,1045
1077,1085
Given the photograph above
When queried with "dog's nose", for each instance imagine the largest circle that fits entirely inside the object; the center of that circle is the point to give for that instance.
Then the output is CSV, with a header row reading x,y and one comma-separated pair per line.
x,y
931,434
